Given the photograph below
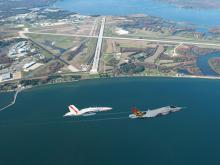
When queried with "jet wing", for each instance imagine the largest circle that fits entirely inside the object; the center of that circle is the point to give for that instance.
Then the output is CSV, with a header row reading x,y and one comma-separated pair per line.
x,y
94,109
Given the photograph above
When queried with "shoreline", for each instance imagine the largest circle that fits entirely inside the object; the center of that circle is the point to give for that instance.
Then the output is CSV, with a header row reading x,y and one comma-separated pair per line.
x,y
17,91
124,76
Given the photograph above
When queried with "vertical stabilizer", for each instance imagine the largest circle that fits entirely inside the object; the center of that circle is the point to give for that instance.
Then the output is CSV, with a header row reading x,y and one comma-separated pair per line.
x,y
73,109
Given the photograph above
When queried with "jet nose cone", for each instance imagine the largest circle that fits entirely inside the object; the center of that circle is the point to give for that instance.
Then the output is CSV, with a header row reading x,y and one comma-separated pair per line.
x,y
107,108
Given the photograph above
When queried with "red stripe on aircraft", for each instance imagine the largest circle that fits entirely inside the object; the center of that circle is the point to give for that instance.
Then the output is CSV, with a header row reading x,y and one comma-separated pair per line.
x,y
71,107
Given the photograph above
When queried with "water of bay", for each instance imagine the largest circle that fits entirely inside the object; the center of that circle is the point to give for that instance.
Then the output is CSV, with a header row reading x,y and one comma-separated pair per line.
x,y
33,131
203,64
203,18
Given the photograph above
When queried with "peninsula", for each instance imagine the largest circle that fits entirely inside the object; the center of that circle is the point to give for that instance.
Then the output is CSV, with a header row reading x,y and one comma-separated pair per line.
x,y
47,45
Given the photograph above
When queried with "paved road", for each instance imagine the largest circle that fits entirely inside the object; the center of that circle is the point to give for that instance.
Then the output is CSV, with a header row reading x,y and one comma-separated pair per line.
x,y
156,55
95,64
174,51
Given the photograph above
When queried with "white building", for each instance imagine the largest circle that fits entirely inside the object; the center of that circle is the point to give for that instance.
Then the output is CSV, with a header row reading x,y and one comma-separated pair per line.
x,y
28,65
6,76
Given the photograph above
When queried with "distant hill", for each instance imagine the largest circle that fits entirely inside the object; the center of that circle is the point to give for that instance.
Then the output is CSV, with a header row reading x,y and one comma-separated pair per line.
x,y
199,4
10,4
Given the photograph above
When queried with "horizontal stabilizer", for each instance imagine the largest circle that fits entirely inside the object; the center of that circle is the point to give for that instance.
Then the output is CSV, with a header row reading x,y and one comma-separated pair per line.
x,y
89,114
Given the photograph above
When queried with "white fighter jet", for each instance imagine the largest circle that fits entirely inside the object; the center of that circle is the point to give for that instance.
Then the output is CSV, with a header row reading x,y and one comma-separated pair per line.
x,y
73,111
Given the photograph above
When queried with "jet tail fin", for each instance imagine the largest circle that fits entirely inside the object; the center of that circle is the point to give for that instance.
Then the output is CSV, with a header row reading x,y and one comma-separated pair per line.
x,y
137,112
73,109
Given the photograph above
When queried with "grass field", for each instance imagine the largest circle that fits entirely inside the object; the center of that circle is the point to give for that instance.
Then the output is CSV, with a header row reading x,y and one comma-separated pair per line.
x,y
64,42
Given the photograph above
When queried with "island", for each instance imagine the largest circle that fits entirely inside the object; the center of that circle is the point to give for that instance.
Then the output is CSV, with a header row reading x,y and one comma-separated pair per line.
x,y
195,4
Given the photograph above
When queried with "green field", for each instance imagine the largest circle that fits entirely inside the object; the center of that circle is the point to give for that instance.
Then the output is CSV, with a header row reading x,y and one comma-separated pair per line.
x,y
64,42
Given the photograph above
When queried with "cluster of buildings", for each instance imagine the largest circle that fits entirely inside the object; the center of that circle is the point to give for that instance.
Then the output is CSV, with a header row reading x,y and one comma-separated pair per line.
x,y
19,50
25,56
25,60
76,18
43,17
15,71
10,76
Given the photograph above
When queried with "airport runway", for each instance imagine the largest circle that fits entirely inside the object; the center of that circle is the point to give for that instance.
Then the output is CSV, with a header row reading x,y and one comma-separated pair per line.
x,y
63,34
96,59
205,43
